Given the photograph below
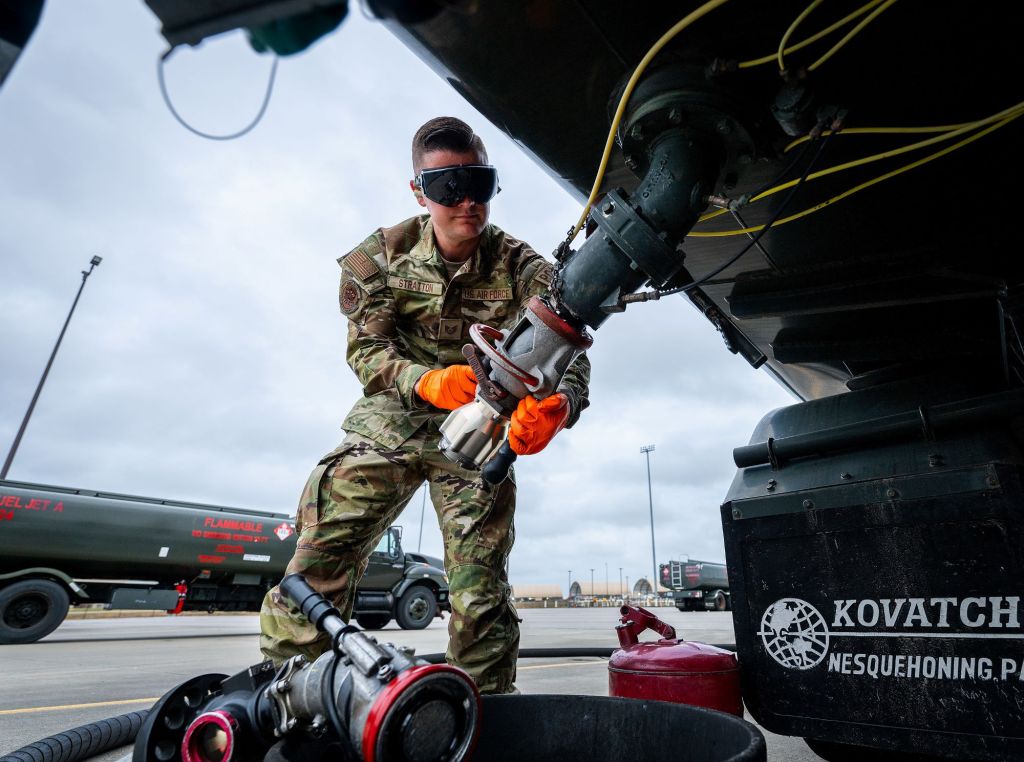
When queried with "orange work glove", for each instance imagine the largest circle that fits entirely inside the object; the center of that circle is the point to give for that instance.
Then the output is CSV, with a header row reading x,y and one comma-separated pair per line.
x,y
447,388
534,423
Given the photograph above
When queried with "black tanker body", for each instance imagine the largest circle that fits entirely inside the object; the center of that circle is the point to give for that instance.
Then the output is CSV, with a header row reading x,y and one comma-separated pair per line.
x,y
697,585
61,546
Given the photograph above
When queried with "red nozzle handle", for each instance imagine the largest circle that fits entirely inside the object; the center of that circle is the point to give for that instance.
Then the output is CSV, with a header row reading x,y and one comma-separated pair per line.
x,y
635,620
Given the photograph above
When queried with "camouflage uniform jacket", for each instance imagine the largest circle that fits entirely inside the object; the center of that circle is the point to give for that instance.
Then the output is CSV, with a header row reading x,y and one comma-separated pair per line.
x,y
406,317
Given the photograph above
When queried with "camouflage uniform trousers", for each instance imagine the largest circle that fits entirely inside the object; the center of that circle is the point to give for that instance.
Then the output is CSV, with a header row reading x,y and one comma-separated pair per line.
x,y
351,499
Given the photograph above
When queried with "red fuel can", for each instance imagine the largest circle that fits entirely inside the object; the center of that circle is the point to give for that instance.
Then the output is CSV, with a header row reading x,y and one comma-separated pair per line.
x,y
672,669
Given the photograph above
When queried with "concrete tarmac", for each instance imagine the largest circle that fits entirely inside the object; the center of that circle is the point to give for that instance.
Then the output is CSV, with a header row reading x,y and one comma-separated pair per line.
x,y
88,670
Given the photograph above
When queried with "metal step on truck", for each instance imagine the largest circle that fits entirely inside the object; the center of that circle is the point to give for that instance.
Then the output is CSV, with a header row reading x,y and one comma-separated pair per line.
x,y
697,585
63,547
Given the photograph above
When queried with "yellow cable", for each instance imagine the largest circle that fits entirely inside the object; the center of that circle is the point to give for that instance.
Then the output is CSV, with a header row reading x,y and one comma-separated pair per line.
x,y
910,130
792,28
862,186
850,35
813,38
1014,111
655,49
883,131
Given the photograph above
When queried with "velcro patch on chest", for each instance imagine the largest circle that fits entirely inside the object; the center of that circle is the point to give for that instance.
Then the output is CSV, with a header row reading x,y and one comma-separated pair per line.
x,y
419,286
451,328
487,294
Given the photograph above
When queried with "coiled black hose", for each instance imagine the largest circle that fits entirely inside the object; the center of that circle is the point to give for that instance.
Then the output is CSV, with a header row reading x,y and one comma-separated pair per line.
x,y
82,742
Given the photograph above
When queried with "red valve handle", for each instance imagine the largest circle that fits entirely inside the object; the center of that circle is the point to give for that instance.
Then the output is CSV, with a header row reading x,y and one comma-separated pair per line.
x,y
480,334
635,620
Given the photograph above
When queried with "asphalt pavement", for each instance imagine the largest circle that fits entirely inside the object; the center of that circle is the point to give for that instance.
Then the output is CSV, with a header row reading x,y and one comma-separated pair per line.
x,y
88,670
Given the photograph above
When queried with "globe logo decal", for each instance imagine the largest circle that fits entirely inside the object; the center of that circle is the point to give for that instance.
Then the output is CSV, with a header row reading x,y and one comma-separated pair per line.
x,y
794,633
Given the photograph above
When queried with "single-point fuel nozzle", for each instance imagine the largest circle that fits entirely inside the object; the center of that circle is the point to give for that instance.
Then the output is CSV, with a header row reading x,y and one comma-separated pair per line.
x,y
531,358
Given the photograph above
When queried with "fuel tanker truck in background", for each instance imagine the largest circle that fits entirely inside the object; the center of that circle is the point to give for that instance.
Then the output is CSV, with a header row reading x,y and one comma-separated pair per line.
x,y
61,547
697,585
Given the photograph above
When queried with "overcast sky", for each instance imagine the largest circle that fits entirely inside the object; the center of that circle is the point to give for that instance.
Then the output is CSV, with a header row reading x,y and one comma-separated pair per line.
x,y
205,361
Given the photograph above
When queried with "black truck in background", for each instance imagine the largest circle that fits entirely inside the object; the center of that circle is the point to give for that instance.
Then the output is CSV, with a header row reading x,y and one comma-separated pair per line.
x,y
61,547
697,585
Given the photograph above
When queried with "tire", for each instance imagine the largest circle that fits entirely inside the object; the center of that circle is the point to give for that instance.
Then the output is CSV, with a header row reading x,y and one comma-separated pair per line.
x,y
373,621
31,609
416,608
721,603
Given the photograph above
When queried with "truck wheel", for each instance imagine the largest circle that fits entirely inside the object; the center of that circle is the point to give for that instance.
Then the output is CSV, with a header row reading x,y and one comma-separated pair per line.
x,y
721,604
31,609
416,608
372,621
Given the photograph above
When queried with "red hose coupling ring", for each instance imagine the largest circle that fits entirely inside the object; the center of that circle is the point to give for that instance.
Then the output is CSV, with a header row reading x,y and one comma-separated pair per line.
x,y
392,715
210,738
549,317
482,335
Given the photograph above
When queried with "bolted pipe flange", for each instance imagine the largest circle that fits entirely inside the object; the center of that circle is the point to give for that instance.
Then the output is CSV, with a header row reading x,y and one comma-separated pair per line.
x,y
683,96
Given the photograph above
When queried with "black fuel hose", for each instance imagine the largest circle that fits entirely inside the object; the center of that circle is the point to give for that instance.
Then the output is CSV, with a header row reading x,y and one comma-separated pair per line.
x,y
82,742
96,738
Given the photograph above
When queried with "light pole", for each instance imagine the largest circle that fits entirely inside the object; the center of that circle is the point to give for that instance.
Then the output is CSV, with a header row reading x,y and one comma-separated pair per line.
x,y
606,578
621,591
35,397
647,450
592,596
423,509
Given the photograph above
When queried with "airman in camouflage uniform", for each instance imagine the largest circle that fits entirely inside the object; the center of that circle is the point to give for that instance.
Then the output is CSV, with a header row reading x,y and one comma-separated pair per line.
x,y
409,310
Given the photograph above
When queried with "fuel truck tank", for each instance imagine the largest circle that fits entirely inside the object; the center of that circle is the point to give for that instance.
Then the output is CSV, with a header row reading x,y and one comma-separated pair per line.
x,y
60,546
87,533
697,585
694,575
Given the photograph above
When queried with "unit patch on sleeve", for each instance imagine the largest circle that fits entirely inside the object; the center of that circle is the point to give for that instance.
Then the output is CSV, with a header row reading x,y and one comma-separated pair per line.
x,y
350,297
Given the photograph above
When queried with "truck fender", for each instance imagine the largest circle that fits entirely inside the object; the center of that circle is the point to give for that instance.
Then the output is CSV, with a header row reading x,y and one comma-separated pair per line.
x,y
715,597
423,574
44,571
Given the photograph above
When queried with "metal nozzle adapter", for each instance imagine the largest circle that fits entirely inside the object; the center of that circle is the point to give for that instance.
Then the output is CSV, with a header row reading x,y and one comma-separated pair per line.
x,y
529,359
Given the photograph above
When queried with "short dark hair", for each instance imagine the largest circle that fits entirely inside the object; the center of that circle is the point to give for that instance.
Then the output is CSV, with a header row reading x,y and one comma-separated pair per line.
x,y
445,133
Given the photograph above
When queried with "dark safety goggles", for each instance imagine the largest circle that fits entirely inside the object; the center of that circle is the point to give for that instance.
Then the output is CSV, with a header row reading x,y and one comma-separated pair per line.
x,y
449,185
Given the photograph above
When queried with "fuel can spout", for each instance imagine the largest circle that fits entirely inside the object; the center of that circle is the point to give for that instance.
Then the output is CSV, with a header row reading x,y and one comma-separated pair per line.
x,y
636,620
